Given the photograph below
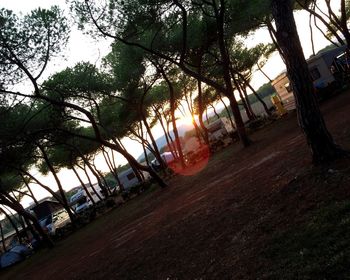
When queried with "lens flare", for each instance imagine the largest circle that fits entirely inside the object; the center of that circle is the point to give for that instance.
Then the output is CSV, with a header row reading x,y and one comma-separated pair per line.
x,y
196,157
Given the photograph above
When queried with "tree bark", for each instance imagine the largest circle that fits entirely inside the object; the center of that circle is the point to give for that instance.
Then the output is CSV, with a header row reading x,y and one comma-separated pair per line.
x,y
250,114
206,115
258,97
263,72
7,216
215,112
246,97
54,195
30,190
227,111
340,23
154,143
312,35
7,200
2,238
320,141
319,17
95,173
58,182
112,167
89,180
200,112
133,163
170,146
219,15
101,177
172,110
83,185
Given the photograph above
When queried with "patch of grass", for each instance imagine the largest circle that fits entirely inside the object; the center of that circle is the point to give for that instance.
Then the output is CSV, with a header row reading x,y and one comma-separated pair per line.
x,y
319,249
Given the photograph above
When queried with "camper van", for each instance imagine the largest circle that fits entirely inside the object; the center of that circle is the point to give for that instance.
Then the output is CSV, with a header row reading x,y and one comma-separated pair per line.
x,y
167,158
128,179
80,201
321,68
219,129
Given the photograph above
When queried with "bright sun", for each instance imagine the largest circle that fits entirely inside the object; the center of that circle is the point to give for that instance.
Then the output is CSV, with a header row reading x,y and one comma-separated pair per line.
x,y
187,120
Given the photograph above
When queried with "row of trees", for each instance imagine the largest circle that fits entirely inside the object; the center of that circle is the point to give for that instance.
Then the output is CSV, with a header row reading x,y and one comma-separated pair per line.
x,y
164,53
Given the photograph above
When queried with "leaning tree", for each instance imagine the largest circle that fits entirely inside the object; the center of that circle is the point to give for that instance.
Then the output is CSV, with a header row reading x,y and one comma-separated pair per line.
x,y
310,118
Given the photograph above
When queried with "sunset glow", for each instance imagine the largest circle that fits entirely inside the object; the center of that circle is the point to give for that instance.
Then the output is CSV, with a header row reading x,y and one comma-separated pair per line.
x,y
186,120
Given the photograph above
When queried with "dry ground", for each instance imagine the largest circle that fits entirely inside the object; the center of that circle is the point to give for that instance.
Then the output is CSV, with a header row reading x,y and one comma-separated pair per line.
x,y
213,225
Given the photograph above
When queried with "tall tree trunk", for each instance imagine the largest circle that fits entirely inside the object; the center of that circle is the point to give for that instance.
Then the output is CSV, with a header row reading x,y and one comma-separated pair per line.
x,y
169,143
227,111
135,166
21,223
344,21
19,220
311,35
215,112
58,182
46,188
324,33
168,122
13,224
154,143
243,94
89,180
249,105
83,185
310,119
7,200
220,15
2,238
245,106
199,133
133,162
200,112
30,190
112,167
32,194
272,33
145,154
206,115
32,229
101,176
143,144
340,23
250,114
257,96
264,73
94,172
173,119
321,18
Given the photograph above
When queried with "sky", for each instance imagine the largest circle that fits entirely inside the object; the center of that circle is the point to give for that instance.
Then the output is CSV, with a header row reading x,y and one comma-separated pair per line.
x,y
84,48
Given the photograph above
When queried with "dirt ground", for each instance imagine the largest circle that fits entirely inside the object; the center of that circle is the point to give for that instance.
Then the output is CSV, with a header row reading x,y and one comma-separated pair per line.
x,y
213,225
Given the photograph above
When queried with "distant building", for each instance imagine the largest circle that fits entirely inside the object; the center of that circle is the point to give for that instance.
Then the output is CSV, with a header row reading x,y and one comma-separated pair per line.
x,y
284,90
320,71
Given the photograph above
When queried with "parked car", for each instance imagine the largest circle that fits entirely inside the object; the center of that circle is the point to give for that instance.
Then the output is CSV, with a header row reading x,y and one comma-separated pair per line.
x,y
80,201
55,221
